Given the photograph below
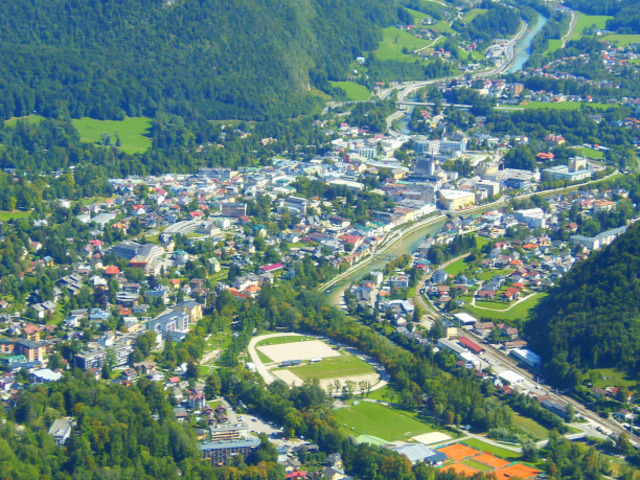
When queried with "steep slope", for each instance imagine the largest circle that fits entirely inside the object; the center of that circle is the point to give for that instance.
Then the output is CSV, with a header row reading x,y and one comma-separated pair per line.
x,y
220,58
592,317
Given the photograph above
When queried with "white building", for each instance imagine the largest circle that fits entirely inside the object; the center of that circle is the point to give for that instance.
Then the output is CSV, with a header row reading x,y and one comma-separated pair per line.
x,y
533,217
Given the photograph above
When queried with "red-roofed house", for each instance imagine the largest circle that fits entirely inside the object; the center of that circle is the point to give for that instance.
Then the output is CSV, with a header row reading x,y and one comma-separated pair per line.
x,y
112,270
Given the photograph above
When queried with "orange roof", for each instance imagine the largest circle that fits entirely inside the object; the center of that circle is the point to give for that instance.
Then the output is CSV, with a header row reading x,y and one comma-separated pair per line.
x,y
530,246
252,289
461,469
517,470
112,270
175,281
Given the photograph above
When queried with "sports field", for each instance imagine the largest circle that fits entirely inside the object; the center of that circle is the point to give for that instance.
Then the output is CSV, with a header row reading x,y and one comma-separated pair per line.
x,y
306,350
461,469
458,451
345,365
486,447
377,420
132,132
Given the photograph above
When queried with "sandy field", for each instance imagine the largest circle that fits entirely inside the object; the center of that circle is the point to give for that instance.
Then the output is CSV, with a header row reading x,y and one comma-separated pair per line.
x,y
298,351
288,377
431,437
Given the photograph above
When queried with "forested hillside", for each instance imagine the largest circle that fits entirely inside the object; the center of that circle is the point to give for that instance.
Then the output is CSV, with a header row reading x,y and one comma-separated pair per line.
x,y
243,59
592,317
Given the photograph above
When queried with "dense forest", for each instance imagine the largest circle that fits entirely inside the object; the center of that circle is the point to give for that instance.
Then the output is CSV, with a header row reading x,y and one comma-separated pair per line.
x,y
220,59
592,317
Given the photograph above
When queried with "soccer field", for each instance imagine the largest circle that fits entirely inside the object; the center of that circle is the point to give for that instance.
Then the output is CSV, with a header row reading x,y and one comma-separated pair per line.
x,y
346,365
380,421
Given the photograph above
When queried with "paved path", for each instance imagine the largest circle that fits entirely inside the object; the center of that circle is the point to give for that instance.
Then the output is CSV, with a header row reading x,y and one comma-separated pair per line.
x,y
572,26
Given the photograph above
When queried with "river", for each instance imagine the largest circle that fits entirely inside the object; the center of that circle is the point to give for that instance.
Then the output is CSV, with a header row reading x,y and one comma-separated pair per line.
x,y
522,51
407,244
411,242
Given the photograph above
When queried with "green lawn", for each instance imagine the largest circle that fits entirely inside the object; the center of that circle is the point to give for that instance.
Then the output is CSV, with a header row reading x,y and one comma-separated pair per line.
x,y
385,394
344,366
478,465
471,14
609,377
497,451
354,91
530,426
586,21
554,44
569,106
493,304
589,153
622,40
380,421
283,339
132,131
520,311
29,118
456,267
5,215
482,241
443,27
393,43
489,274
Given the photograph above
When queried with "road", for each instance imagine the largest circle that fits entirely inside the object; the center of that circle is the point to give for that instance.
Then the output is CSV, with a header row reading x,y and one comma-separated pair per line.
x,y
572,26
406,88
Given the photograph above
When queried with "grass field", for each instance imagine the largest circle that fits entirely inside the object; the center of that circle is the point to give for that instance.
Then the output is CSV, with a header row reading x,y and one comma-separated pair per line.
x,y
489,274
586,21
393,43
554,44
520,311
284,339
530,426
568,106
5,215
495,305
478,465
622,40
481,241
132,131
589,153
609,377
34,119
471,14
385,394
456,267
380,421
344,366
354,91
497,451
